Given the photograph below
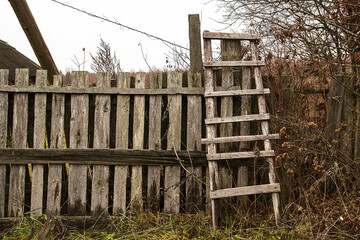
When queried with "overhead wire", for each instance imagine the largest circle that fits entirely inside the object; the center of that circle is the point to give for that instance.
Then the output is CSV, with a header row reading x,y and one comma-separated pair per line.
x,y
120,24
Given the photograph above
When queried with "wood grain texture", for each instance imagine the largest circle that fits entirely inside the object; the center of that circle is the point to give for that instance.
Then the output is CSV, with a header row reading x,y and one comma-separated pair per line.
x,y
53,202
78,139
37,184
19,133
138,141
154,172
234,63
172,173
241,92
122,132
265,130
100,178
238,155
240,138
245,118
211,132
4,80
194,174
238,36
248,190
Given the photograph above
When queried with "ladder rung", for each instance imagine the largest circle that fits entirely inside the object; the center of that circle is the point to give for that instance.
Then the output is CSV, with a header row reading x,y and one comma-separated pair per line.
x,y
239,138
235,36
236,155
234,63
248,190
242,118
237,92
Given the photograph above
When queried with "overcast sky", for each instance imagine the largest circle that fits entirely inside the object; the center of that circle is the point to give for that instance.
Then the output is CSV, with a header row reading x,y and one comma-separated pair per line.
x,y
67,32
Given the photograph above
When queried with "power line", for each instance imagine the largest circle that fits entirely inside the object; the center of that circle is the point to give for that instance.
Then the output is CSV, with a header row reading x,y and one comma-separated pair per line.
x,y
120,24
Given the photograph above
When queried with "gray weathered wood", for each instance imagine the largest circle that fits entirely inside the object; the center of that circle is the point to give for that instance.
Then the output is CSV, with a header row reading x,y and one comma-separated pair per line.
x,y
153,194
211,131
56,142
240,92
265,130
236,155
248,190
19,133
100,156
194,174
4,80
122,132
245,118
243,180
240,138
238,36
100,180
234,63
138,142
103,91
172,173
78,139
196,64
37,185
245,106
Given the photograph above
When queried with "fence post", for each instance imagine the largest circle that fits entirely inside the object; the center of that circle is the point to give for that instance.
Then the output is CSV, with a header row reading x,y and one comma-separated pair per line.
x,y
196,64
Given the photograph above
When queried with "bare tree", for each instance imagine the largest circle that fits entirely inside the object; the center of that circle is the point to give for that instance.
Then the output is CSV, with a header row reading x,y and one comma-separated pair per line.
x,y
105,61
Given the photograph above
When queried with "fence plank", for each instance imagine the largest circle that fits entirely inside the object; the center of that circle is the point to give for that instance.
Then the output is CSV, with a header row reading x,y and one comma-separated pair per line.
x,y
56,142
138,141
172,173
153,195
37,187
122,133
100,181
78,139
4,80
194,174
20,121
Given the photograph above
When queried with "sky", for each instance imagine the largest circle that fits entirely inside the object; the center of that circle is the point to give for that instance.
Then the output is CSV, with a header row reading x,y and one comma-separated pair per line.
x,y
67,32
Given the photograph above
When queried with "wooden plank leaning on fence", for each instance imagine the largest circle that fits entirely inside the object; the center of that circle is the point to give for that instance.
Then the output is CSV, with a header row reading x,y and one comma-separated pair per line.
x,y
39,142
53,202
78,139
172,173
138,142
20,122
194,174
122,133
154,172
4,80
100,180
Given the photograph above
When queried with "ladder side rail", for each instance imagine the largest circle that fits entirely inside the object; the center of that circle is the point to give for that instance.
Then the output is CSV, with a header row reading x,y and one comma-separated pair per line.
x,y
265,130
211,130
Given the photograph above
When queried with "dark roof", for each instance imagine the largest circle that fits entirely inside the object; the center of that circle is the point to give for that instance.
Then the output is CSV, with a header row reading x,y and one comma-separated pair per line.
x,y
10,59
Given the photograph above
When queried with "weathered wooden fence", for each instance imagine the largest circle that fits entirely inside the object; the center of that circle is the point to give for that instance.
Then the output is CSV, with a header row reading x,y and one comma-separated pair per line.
x,y
92,150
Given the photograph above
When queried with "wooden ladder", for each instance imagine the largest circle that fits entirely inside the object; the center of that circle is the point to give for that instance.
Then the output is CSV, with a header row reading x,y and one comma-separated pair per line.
x,y
211,121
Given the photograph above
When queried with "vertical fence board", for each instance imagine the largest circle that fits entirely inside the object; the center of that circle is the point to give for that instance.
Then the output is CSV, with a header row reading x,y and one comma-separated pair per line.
x,y
194,174
122,132
172,173
100,182
19,133
244,130
138,140
56,141
4,80
153,195
78,139
39,143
